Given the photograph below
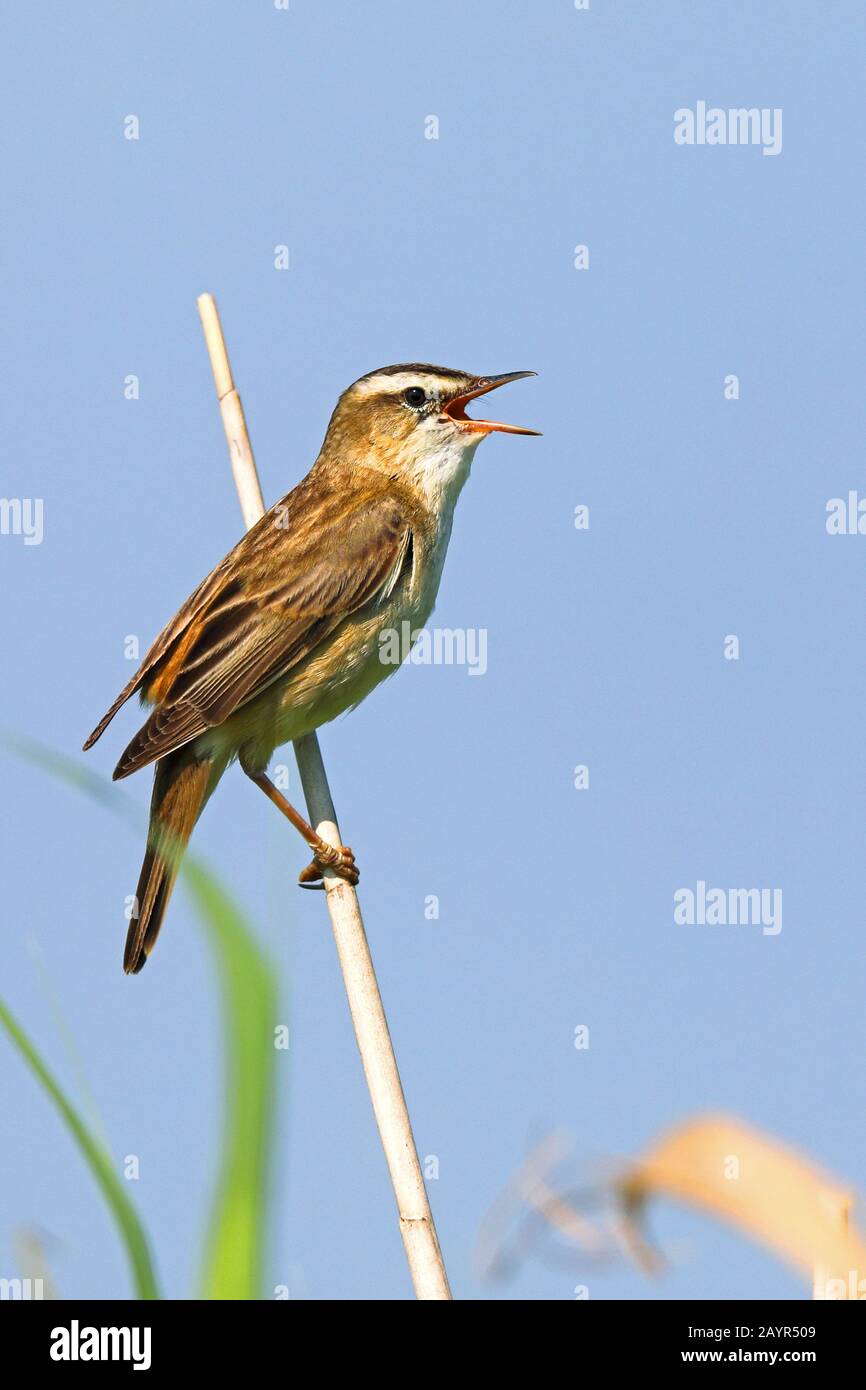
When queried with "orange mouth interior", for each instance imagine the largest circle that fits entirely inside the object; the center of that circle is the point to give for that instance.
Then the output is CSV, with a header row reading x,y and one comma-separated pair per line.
x,y
456,408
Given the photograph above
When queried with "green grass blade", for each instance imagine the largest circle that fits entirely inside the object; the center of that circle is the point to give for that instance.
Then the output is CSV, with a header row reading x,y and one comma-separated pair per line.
x,y
233,1264
237,1236
99,1161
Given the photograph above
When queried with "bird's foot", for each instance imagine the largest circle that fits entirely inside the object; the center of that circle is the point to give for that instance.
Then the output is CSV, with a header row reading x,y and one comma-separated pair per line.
x,y
340,859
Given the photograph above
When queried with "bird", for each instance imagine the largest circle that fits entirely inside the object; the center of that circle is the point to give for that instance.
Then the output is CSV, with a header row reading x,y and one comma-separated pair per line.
x,y
283,635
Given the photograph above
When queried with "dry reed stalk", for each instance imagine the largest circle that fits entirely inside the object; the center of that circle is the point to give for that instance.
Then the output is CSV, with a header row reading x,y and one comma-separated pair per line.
x,y
420,1241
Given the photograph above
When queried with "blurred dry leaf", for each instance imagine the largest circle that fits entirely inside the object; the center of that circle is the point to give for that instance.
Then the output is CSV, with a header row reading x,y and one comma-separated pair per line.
x,y
539,1201
31,1246
713,1162
766,1189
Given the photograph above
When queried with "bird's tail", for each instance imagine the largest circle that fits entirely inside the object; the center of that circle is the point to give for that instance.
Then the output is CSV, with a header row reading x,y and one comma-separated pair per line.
x,y
181,785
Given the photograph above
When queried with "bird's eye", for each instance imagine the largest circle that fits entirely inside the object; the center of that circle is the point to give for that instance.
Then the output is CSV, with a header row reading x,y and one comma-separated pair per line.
x,y
415,396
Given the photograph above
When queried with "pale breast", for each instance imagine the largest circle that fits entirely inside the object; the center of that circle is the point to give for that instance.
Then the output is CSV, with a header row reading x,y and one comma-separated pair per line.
x,y
360,653
348,665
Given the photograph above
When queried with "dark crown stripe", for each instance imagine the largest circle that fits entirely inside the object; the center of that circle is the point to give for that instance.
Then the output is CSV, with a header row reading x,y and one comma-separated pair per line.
x,y
399,367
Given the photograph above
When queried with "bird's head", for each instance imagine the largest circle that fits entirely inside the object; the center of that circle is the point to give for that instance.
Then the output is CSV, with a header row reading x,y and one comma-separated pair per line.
x,y
410,421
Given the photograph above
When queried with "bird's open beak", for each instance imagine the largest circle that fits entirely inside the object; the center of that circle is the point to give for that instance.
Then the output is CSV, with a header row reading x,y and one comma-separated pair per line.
x,y
456,408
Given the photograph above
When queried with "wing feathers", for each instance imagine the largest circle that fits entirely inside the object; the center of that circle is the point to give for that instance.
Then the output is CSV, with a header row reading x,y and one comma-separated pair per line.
x,y
129,689
165,643
271,601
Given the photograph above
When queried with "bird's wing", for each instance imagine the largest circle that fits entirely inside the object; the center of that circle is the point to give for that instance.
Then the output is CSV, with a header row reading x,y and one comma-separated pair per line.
x,y
313,559
168,640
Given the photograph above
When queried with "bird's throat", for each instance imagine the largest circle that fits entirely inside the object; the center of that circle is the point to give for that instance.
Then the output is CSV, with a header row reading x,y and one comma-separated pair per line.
x,y
439,476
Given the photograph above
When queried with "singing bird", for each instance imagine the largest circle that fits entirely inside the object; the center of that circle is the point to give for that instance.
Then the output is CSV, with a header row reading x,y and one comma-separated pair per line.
x,y
284,634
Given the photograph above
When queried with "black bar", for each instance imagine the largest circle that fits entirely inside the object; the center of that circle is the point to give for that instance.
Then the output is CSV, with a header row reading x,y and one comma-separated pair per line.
x,y
282,1336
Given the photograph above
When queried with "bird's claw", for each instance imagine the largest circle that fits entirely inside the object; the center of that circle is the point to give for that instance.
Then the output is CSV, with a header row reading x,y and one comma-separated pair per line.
x,y
339,859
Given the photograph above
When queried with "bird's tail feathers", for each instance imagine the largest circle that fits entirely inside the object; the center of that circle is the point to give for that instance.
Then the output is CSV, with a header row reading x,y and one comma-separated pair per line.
x,y
181,786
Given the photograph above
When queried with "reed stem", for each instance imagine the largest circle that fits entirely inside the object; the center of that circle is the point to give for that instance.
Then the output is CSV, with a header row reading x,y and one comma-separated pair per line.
x,y
420,1241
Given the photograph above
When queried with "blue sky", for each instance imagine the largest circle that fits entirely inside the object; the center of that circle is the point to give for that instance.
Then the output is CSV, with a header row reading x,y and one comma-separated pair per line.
x,y
306,128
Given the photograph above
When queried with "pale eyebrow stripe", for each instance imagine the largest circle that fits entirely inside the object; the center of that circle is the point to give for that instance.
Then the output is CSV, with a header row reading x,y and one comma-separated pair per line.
x,y
382,384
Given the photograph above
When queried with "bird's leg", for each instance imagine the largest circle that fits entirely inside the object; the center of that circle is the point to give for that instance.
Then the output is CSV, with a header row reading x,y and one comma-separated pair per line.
x,y
325,856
